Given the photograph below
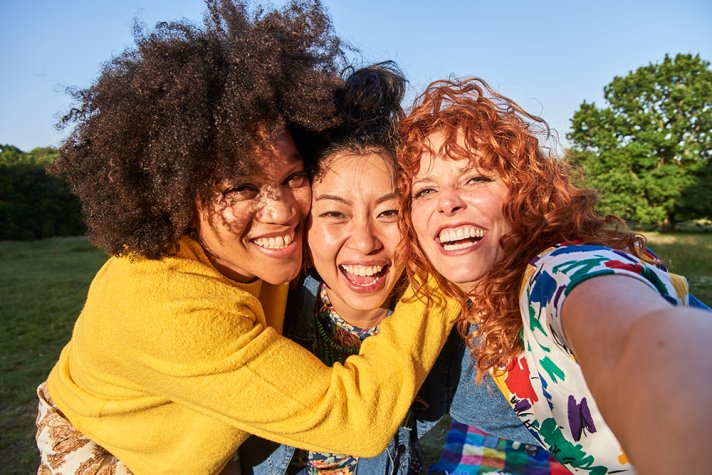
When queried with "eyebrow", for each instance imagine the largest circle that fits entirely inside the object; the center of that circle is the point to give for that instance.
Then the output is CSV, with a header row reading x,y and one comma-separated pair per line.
x,y
333,198
426,179
388,197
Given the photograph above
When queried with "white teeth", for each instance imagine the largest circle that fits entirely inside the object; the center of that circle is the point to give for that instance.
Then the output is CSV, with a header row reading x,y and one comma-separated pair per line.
x,y
463,232
277,242
454,247
363,271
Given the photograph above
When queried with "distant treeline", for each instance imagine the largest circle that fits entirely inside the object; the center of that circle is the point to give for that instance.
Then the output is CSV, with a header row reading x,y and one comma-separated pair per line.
x,y
34,204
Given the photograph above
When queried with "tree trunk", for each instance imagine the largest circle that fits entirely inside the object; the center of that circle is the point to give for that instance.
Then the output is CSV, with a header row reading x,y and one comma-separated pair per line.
x,y
667,225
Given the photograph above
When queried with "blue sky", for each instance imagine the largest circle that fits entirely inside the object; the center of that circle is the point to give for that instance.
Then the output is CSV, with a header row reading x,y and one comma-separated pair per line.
x,y
549,55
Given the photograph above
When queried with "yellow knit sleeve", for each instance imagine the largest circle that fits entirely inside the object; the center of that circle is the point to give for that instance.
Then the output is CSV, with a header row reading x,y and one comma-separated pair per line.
x,y
332,409
173,343
245,374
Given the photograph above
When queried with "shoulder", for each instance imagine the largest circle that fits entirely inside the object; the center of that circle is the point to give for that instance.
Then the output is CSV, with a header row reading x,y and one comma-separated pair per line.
x,y
563,266
177,292
299,318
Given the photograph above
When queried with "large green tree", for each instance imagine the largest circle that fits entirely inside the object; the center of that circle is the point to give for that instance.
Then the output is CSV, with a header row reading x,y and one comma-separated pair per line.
x,y
649,149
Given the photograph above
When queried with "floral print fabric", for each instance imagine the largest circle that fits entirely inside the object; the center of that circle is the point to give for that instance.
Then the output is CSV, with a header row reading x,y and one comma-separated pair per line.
x,y
64,450
545,385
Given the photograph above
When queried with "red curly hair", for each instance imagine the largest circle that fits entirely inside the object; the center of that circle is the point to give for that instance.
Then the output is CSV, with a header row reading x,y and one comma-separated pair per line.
x,y
543,207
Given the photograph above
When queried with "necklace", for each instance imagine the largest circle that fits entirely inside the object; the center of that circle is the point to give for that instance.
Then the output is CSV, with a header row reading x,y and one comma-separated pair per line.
x,y
336,339
327,349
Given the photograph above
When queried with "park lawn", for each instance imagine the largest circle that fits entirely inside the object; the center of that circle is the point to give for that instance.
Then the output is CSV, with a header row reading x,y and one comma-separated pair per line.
x,y
43,285
688,254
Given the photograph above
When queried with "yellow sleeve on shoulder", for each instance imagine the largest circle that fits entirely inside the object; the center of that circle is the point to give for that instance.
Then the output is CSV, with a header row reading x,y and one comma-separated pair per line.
x,y
331,408
188,339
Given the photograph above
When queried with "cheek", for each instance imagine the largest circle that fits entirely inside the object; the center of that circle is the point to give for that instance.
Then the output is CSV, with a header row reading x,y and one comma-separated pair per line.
x,y
391,237
235,219
418,218
323,244
324,249
303,198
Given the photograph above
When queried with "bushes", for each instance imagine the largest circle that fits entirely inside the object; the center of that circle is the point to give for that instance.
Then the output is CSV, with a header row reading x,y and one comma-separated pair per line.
x,y
33,204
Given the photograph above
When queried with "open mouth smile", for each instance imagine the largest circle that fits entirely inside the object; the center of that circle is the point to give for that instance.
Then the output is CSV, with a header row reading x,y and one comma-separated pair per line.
x,y
275,242
462,237
362,278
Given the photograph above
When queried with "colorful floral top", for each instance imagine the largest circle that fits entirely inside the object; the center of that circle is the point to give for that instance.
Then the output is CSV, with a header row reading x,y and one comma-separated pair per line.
x,y
545,385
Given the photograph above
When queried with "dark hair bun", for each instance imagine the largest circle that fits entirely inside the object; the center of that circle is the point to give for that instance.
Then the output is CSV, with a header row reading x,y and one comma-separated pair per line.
x,y
370,101
368,106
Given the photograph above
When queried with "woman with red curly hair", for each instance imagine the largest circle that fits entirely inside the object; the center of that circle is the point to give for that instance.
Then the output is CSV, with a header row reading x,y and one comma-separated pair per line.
x,y
582,328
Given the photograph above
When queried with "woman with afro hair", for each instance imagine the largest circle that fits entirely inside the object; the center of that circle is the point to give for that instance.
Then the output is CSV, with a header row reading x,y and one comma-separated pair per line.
x,y
184,155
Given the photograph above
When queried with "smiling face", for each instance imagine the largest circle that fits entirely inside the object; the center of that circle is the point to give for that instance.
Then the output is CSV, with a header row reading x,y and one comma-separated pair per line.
x,y
457,215
252,228
353,234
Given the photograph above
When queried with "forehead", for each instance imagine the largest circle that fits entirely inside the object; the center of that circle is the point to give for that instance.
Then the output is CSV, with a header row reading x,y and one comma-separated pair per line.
x,y
271,155
440,151
354,167
275,147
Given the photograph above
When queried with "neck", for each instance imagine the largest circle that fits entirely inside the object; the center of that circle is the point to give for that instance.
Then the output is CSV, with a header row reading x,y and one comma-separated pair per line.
x,y
363,319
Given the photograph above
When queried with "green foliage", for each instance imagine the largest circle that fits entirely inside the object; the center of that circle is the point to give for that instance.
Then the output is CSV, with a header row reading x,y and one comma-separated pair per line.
x,y
33,204
649,151
11,155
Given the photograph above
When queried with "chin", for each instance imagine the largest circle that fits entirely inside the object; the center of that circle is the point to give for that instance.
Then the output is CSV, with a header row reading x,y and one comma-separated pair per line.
x,y
277,278
462,281
366,306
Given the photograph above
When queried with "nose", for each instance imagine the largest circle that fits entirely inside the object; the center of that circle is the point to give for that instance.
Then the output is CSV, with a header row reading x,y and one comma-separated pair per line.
x,y
276,207
450,202
364,239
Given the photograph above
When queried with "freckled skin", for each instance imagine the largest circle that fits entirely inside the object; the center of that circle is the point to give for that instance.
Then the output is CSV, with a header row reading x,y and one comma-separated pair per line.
x,y
273,201
450,193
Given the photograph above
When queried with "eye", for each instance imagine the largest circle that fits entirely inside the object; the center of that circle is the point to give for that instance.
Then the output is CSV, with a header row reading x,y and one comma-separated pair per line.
x,y
243,191
332,215
297,179
389,215
477,179
423,193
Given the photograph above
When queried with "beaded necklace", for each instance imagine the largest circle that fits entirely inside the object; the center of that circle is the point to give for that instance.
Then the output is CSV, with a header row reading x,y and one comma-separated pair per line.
x,y
336,339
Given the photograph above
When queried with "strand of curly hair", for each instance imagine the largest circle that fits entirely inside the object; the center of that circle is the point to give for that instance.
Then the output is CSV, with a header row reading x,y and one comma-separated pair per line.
x,y
543,207
185,107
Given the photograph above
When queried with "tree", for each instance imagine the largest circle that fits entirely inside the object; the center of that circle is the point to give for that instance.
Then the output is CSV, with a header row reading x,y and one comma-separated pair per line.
x,y
33,204
11,155
649,151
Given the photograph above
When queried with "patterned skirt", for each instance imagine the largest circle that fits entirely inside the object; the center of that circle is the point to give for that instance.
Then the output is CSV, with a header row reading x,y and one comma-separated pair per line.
x,y
65,450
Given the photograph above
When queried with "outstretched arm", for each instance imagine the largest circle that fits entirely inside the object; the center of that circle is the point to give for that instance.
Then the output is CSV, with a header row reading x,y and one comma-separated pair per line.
x,y
649,367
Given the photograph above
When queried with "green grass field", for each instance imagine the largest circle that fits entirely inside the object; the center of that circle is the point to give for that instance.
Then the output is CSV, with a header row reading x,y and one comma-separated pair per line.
x,y
42,288
689,255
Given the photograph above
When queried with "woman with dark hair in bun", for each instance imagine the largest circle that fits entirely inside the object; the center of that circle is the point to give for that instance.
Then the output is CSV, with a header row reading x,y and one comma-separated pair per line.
x,y
183,154
355,278
352,239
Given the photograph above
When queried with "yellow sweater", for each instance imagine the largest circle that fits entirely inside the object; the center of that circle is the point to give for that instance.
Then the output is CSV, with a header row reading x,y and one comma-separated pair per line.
x,y
171,365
